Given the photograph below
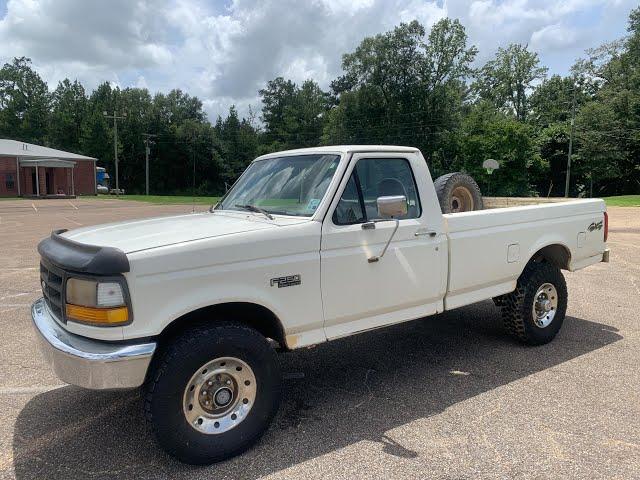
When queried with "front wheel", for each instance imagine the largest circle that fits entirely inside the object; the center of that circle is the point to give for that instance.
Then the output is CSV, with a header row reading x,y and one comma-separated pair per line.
x,y
213,393
535,310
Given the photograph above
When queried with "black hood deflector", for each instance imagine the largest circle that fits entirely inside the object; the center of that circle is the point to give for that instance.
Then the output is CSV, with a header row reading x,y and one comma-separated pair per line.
x,y
82,258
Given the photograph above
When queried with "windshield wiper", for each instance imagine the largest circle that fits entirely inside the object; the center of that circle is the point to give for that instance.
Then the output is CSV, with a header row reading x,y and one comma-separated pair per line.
x,y
253,208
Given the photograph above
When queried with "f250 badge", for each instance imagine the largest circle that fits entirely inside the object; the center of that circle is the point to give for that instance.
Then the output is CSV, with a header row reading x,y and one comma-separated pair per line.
x,y
595,226
288,281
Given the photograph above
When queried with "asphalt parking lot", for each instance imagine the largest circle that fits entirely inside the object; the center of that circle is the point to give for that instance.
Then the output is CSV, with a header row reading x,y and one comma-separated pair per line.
x,y
448,397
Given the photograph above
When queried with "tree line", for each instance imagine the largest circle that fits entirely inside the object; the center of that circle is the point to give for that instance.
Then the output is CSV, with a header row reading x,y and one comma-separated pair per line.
x,y
408,86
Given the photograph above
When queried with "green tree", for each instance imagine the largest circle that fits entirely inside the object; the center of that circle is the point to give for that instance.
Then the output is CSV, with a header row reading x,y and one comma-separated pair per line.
x,y
487,133
507,80
553,142
600,160
293,116
68,111
551,101
184,138
403,87
97,135
237,145
609,126
24,102
138,106
277,99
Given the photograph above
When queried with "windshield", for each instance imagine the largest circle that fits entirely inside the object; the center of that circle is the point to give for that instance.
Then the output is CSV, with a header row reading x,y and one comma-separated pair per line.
x,y
292,185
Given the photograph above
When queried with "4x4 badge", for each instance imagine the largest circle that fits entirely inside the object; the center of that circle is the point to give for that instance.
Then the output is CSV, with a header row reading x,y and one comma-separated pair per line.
x,y
595,226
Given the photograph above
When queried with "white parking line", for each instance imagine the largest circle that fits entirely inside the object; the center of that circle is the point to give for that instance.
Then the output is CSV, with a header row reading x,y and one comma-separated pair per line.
x,y
15,295
72,221
69,202
28,390
34,207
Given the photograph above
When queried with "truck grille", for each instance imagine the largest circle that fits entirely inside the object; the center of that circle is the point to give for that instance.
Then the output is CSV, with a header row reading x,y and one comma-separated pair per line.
x,y
51,279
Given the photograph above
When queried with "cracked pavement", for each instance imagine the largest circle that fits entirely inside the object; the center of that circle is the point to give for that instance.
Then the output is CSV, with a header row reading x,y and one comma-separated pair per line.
x,y
446,397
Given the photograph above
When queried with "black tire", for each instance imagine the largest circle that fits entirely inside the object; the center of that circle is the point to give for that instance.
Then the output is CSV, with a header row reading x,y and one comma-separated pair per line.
x,y
517,306
165,391
448,184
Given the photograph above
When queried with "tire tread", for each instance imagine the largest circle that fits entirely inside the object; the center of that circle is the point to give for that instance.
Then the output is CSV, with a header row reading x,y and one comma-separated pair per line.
x,y
515,310
445,184
172,353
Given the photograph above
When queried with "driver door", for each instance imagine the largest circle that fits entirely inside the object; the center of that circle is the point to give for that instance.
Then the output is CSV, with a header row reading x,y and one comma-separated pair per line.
x,y
407,282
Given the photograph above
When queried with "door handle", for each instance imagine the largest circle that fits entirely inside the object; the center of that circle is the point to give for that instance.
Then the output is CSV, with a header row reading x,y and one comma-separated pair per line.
x,y
369,225
421,233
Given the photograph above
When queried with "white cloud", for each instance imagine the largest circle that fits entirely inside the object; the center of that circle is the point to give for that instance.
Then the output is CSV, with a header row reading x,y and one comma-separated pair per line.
x,y
349,7
225,52
554,36
118,34
427,13
141,82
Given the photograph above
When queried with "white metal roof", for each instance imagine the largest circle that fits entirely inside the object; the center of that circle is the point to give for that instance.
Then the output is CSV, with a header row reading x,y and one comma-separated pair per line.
x,y
342,149
13,148
46,162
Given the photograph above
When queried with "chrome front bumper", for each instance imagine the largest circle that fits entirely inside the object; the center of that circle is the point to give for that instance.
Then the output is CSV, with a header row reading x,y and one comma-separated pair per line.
x,y
89,363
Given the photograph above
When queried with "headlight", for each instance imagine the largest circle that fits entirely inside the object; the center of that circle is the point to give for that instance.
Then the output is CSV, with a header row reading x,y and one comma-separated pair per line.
x,y
95,302
110,294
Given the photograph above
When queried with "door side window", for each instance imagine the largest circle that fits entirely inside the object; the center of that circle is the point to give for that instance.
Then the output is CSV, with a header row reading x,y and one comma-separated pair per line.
x,y
349,209
383,177
372,178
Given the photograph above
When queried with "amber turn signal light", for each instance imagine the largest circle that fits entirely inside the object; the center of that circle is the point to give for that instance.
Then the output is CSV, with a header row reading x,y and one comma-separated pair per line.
x,y
98,316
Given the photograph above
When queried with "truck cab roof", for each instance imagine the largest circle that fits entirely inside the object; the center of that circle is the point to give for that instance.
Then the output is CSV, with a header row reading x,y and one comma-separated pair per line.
x,y
341,149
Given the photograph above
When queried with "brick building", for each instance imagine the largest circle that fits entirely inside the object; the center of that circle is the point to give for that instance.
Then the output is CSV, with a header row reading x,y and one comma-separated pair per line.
x,y
28,170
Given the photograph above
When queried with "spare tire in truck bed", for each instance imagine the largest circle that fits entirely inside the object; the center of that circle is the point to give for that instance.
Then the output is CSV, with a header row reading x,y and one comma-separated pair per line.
x,y
458,192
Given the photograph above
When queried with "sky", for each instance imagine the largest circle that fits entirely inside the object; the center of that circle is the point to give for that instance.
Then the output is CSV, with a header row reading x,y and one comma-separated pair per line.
x,y
224,51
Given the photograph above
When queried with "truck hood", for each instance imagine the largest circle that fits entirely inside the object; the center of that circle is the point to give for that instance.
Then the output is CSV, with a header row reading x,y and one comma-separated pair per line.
x,y
149,233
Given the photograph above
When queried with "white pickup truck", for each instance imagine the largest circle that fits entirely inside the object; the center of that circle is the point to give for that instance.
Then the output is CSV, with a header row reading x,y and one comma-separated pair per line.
x,y
308,246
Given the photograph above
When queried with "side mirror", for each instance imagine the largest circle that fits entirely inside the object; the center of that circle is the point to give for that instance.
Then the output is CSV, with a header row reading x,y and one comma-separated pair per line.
x,y
392,207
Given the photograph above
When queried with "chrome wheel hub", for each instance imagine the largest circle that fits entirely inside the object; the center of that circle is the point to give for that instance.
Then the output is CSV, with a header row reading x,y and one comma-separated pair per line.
x,y
545,305
223,397
219,395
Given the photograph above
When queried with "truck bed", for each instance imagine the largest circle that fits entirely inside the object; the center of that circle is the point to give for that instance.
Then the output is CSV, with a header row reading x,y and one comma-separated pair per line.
x,y
489,248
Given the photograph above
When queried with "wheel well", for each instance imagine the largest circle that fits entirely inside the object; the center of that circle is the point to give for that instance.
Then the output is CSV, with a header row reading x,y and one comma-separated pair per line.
x,y
556,254
250,314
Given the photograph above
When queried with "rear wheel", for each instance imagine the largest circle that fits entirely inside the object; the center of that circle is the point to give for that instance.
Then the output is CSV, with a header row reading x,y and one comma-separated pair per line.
x,y
535,311
213,393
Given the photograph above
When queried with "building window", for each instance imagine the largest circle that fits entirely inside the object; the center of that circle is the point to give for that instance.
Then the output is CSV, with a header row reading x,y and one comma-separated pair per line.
x,y
9,181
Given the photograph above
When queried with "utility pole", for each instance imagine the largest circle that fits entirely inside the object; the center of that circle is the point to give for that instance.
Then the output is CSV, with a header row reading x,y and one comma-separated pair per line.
x,y
115,117
193,154
573,125
148,140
